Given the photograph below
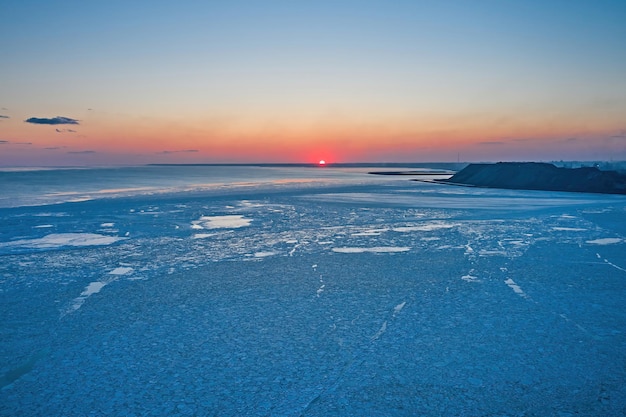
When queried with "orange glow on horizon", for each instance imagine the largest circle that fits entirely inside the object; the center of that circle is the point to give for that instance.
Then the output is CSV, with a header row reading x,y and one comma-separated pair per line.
x,y
151,140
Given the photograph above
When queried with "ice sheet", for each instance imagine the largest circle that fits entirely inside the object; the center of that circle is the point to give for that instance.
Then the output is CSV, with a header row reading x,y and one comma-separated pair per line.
x,y
288,303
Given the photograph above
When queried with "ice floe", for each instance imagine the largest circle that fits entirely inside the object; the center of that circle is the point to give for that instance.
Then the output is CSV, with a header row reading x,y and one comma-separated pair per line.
x,y
46,214
605,241
203,235
516,288
397,309
470,278
121,270
383,329
264,254
221,222
428,227
366,233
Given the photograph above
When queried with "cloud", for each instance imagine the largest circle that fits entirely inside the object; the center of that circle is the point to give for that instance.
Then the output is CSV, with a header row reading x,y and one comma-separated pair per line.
x,y
5,142
491,143
2,116
81,152
620,135
59,120
52,148
183,151
65,131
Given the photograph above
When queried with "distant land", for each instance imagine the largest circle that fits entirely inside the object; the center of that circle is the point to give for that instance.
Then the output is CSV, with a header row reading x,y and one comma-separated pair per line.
x,y
540,176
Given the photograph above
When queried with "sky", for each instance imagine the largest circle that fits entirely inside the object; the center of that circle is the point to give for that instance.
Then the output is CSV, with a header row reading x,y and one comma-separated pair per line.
x,y
134,82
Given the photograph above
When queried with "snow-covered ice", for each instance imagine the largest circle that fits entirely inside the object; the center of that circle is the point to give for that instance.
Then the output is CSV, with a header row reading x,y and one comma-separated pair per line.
x,y
57,240
376,249
221,222
605,241
315,292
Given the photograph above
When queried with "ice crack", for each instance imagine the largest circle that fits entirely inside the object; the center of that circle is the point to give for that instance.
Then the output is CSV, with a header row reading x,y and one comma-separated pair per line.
x,y
383,327
606,261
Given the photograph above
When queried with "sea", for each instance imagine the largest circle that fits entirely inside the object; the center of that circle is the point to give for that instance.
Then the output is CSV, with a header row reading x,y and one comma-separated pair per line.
x,y
299,290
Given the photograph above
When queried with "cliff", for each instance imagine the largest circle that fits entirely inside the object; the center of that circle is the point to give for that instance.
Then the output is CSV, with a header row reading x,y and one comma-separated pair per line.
x,y
540,176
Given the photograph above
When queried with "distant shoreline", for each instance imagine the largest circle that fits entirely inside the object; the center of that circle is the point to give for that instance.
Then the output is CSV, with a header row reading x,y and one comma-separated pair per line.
x,y
449,167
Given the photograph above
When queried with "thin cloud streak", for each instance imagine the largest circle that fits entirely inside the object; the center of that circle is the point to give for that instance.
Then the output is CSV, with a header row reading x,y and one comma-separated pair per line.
x,y
7,142
182,151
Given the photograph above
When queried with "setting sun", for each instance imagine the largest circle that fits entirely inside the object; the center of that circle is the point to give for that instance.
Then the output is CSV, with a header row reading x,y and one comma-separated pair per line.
x,y
321,162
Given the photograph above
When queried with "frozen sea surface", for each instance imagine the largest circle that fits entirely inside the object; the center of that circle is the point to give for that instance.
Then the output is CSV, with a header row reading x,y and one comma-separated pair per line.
x,y
311,293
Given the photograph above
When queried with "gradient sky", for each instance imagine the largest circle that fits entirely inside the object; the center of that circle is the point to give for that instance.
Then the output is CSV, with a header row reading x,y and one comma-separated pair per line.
x,y
299,81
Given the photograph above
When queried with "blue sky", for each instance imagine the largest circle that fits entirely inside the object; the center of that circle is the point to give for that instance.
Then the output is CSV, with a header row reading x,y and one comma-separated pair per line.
x,y
294,81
